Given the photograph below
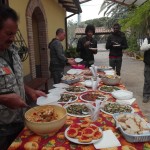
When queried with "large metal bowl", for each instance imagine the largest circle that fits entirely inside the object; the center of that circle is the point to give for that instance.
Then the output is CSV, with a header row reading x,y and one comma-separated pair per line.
x,y
111,81
46,128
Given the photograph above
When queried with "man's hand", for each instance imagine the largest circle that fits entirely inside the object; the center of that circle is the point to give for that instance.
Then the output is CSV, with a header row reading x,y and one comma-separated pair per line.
x,y
36,93
87,44
71,61
12,101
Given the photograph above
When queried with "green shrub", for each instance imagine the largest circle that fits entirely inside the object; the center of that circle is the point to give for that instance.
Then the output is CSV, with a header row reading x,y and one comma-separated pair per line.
x,y
132,43
71,52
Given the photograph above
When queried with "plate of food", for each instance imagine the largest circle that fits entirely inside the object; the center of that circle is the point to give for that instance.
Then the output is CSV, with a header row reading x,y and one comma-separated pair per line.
x,y
79,109
87,72
83,133
70,79
76,89
111,108
66,97
108,89
103,68
92,96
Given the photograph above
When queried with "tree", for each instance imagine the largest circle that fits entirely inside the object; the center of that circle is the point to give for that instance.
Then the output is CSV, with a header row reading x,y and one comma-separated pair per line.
x,y
114,11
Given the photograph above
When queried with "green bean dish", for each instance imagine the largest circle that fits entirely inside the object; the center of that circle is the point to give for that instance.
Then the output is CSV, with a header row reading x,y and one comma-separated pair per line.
x,y
116,108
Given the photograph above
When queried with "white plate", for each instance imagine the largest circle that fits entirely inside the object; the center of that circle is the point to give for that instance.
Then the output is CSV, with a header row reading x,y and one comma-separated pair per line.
x,y
109,72
106,98
116,45
78,60
74,71
132,110
74,140
126,102
60,85
47,100
85,89
71,100
88,83
57,91
80,116
122,94
93,49
107,86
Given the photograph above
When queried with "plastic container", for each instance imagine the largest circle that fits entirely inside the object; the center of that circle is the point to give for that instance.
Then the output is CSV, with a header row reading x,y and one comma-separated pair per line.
x,y
78,66
129,137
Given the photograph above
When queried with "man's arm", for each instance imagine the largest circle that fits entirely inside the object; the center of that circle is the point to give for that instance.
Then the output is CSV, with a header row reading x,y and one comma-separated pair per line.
x,y
80,46
12,101
94,45
109,43
59,51
34,94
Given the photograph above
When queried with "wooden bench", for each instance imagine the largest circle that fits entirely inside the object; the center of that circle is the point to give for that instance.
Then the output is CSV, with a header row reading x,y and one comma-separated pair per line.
x,y
37,83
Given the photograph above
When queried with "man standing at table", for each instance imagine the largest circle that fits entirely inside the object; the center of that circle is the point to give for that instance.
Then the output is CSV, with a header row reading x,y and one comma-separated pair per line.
x,y
57,56
12,88
87,46
116,42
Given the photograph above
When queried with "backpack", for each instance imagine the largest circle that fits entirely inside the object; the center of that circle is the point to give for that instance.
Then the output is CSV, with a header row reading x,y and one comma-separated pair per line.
x,y
147,57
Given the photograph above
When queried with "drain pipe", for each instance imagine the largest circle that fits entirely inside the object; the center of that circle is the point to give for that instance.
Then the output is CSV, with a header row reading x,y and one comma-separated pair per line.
x,y
66,29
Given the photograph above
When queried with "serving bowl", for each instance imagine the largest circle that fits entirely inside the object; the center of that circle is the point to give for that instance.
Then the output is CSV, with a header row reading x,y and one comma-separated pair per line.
x,y
78,66
111,80
122,94
49,127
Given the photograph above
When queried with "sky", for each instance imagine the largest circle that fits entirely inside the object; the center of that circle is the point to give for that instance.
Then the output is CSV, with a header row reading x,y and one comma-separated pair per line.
x,y
90,10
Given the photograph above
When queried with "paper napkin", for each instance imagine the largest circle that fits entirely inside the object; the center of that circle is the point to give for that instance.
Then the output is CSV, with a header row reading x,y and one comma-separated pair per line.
x,y
127,102
108,140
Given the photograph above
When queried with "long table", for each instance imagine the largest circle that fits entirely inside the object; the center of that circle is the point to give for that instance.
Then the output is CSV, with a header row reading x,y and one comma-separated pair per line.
x,y
28,140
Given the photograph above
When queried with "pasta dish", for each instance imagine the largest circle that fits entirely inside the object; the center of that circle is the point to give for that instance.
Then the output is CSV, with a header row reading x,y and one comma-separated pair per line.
x,y
43,115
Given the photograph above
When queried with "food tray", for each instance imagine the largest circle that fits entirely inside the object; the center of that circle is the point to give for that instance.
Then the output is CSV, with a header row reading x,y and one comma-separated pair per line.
x,y
71,81
129,137
104,68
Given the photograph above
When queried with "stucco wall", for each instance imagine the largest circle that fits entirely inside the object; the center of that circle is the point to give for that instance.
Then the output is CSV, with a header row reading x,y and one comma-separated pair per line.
x,y
20,8
55,15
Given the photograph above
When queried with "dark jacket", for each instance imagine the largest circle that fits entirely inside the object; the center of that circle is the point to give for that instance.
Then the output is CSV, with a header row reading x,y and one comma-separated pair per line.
x,y
85,53
118,38
147,57
57,56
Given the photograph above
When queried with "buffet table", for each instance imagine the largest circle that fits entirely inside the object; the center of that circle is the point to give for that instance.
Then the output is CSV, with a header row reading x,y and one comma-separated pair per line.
x,y
59,141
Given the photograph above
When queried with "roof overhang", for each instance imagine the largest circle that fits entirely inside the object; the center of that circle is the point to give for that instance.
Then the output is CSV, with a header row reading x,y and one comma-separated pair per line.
x,y
129,2
98,31
72,6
